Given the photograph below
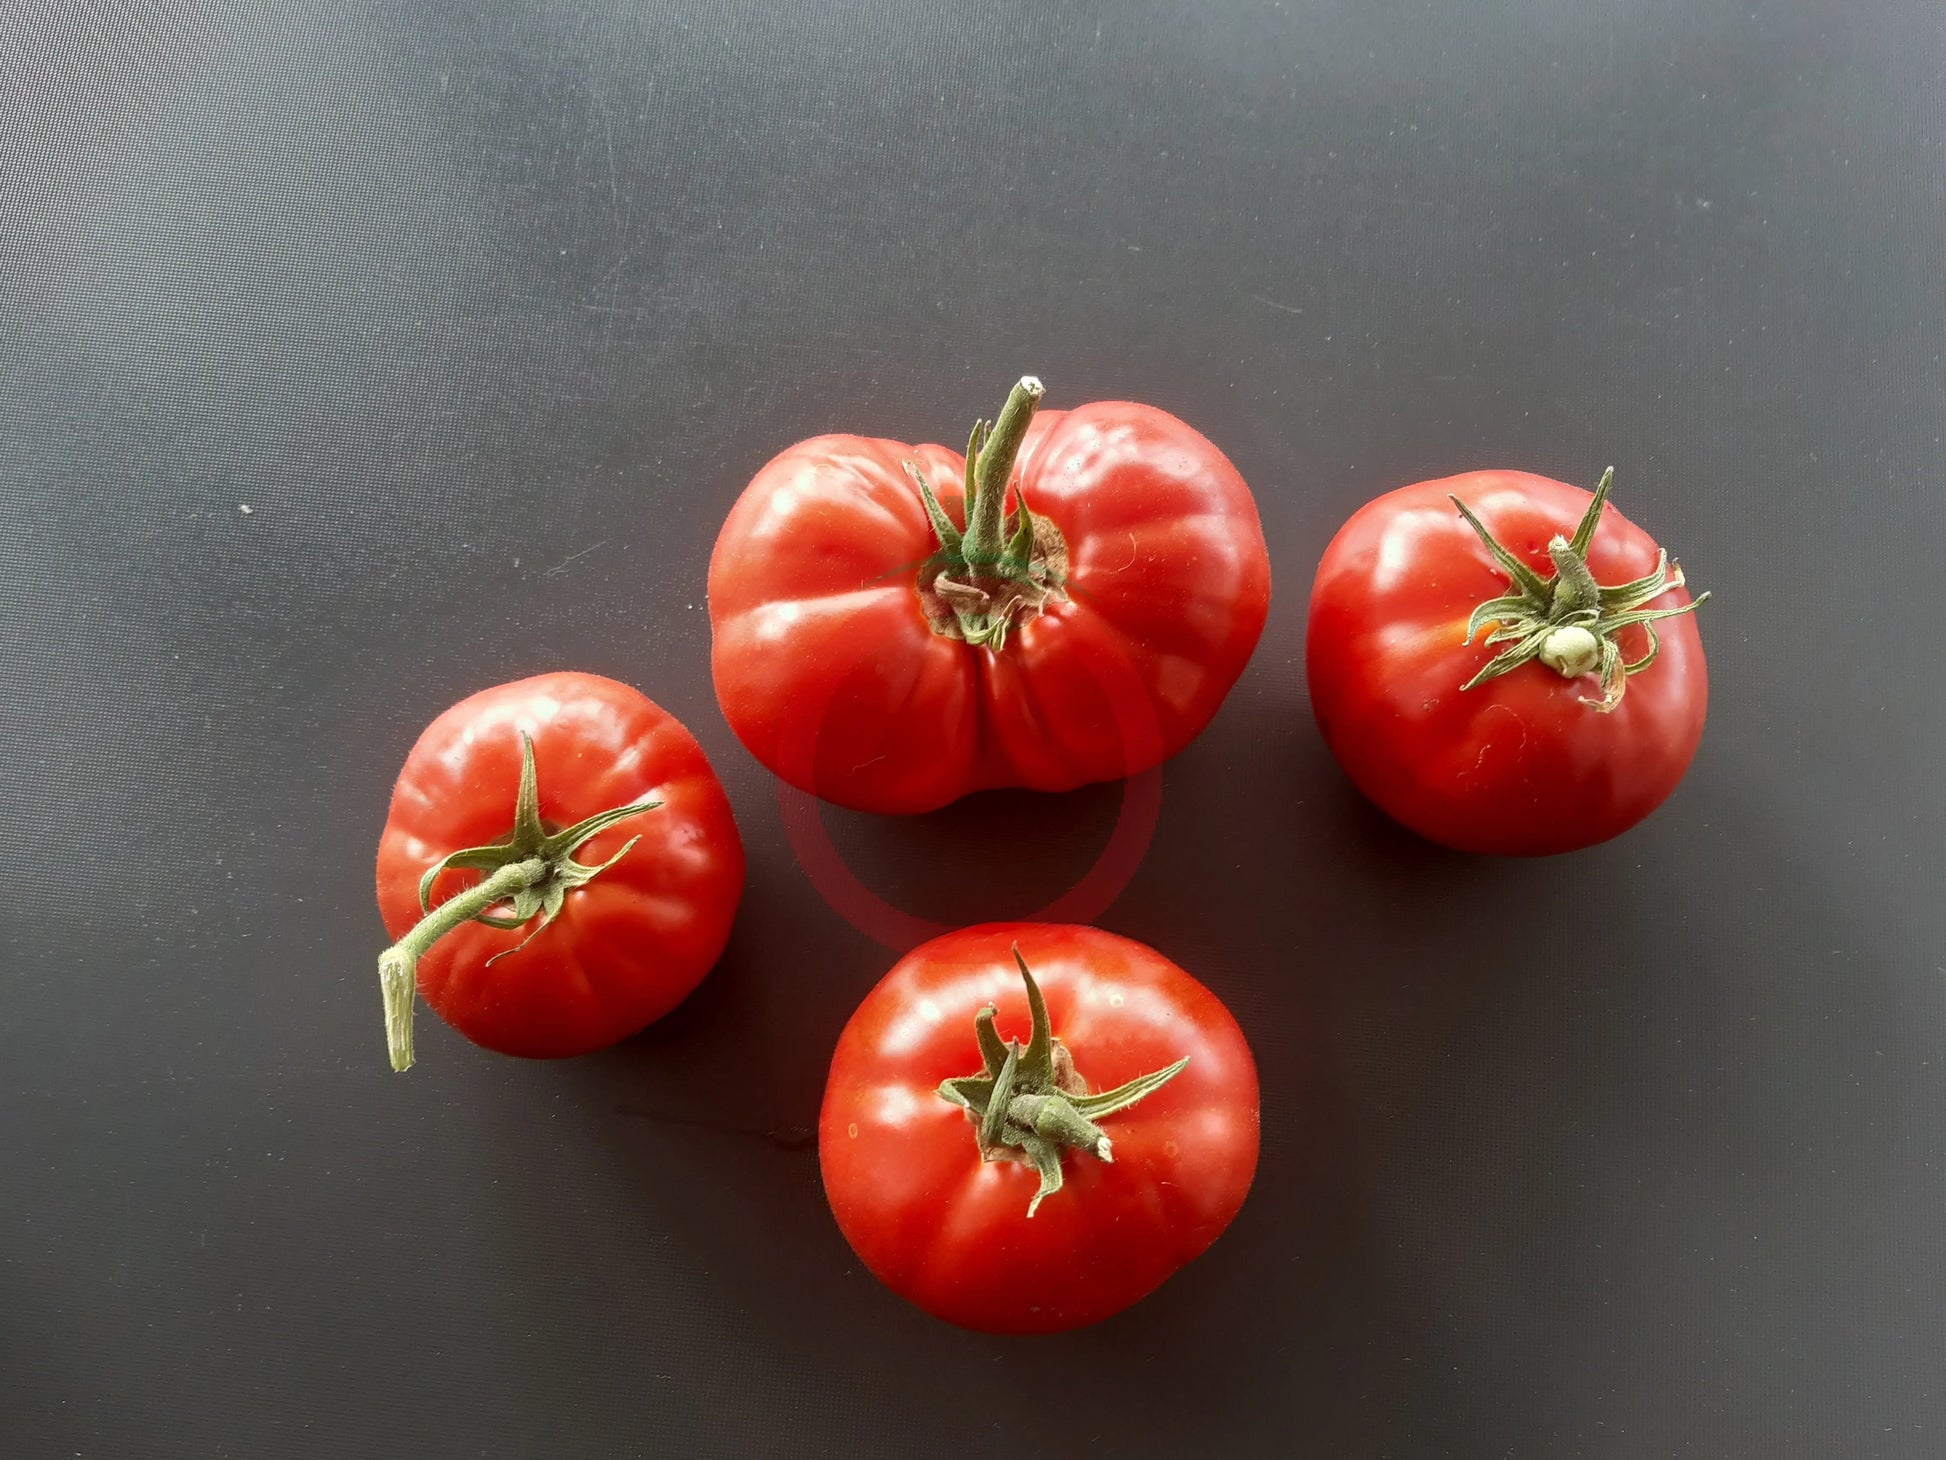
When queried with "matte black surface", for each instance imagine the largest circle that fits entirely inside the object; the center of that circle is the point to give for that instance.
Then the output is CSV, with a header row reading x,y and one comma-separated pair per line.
x,y
353,357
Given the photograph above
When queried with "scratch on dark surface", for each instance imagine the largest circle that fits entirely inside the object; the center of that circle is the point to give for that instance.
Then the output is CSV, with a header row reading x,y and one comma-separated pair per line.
x,y
575,557
793,1139
610,272
1287,308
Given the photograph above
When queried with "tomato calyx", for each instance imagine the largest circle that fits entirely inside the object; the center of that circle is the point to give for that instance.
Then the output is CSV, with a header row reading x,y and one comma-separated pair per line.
x,y
998,566
529,875
1567,620
1029,1104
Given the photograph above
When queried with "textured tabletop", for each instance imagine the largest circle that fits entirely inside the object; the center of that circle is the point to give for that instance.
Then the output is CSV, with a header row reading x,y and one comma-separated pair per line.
x,y
355,356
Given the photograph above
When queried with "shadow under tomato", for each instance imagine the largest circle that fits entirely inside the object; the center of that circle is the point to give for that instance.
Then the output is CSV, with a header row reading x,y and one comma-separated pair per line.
x,y
1506,1174
988,857
1273,884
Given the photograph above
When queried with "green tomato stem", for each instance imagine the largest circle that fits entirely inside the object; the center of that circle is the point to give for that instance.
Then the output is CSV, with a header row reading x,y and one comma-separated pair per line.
x,y
531,871
398,966
995,569
984,543
1028,1104
1568,621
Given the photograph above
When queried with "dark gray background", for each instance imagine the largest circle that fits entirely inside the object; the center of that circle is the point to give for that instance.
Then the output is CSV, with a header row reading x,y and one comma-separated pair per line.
x,y
488,310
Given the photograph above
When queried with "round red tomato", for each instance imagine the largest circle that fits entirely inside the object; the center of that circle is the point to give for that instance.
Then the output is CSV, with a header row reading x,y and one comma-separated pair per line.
x,y
1023,1169
884,645
560,865
1522,682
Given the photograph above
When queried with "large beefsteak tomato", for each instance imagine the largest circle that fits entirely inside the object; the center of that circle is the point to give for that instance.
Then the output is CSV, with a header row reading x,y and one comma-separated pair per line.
x,y
895,626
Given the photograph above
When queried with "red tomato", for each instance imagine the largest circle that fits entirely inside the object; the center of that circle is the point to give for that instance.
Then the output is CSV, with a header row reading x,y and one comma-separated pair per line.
x,y
890,657
1057,1224
1518,738
616,881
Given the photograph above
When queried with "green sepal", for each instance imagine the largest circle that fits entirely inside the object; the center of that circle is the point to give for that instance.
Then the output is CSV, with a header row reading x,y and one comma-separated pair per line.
x,y
505,922
568,875
994,1119
1612,673
993,1049
1027,1104
1020,550
1624,596
1037,1062
1584,530
526,877
1108,1102
530,838
942,525
1530,584
1649,656
1494,610
974,444
1537,606
971,1091
1653,615
1527,649
1046,1156
992,569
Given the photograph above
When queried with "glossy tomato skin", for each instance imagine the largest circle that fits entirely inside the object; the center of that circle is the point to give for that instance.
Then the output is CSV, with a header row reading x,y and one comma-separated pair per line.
x,y
827,668
938,1226
1520,765
627,947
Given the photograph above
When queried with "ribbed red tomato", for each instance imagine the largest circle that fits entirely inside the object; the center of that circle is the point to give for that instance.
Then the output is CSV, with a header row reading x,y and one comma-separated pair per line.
x,y
560,868
1050,1179
894,629
1504,663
